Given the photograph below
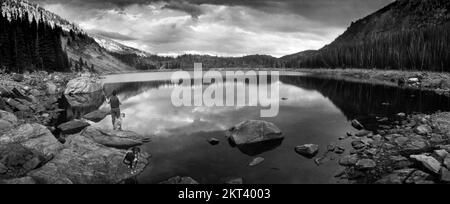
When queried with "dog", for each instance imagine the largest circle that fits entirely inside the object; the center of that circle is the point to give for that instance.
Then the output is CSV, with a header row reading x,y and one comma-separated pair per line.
x,y
119,121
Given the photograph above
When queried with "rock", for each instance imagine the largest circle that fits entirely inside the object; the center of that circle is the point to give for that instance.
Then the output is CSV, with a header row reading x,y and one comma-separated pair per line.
x,y
90,101
73,127
308,150
180,181
358,144
419,177
400,162
17,105
23,180
446,162
17,160
349,160
254,131
356,124
401,115
256,161
400,141
214,141
51,88
414,146
7,120
82,85
339,150
396,177
423,130
365,164
33,136
445,175
349,134
116,139
19,95
441,153
235,181
363,133
5,92
96,116
330,147
428,162
83,161
18,77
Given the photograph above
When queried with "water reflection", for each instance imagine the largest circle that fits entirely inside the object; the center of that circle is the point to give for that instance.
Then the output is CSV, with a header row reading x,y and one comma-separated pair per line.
x,y
315,111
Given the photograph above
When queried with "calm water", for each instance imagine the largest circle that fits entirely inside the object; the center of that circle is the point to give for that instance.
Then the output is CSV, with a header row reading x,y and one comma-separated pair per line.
x,y
316,111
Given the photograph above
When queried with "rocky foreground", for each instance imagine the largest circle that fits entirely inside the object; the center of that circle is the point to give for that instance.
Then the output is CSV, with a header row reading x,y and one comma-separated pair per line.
x,y
30,152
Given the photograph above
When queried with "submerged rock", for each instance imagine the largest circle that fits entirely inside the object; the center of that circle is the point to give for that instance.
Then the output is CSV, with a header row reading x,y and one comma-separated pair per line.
x,y
180,180
256,161
73,127
356,124
83,161
96,116
82,85
308,150
113,138
254,131
428,162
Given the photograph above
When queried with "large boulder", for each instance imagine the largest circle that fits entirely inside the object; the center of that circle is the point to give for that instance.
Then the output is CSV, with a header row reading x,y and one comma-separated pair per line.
x,y
116,139
428,162
83,161
96,116
254,131
33,136
73,127
82,85
17,160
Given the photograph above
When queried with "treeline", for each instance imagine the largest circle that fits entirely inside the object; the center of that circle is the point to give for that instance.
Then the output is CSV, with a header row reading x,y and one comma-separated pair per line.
x,y
31,44
426,48
187,61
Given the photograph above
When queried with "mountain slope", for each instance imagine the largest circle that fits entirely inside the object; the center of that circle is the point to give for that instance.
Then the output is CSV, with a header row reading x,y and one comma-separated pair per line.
x,y
406,34
83,52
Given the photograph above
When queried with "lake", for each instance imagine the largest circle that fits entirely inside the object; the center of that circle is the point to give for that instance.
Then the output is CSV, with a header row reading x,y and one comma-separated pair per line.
x,y
311,110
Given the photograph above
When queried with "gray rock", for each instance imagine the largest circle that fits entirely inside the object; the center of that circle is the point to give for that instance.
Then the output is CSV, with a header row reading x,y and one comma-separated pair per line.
x,y
96,116
415,146
396,177
23,180
357,125
339,150
441,153
256,161
445,175
400,162
17,160
423,130
365,164
15,104
116,139
82,85
73,127
254,131
363,133
235,181
8,117
178,180
83,161
400,141
308,150
33,136
358,144
419,177
447,162
428,162
349,160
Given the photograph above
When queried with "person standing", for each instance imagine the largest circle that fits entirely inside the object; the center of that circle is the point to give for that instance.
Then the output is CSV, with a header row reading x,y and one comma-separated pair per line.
x,y
115,108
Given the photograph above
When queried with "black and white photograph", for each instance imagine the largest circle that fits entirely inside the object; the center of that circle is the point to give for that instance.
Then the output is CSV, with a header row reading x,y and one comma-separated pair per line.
x,y
225,92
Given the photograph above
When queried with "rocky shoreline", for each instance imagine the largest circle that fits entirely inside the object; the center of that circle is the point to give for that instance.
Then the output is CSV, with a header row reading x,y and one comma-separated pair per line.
x,y
37,148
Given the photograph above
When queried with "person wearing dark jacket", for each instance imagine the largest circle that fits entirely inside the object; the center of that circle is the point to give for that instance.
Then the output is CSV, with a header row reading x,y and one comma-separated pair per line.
x,y
115,108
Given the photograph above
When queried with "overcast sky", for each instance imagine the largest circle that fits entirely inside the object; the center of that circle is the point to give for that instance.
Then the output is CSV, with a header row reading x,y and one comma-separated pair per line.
x,y
216,27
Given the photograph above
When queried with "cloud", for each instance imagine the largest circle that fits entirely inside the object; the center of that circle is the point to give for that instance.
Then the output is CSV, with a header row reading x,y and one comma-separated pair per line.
x,y
217,27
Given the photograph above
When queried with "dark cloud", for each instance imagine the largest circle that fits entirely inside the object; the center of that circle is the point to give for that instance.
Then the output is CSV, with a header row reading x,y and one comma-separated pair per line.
x,y
328,11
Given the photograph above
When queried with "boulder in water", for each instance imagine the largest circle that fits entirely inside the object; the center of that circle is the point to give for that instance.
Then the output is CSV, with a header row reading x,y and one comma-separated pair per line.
x,y
82,85
254,131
